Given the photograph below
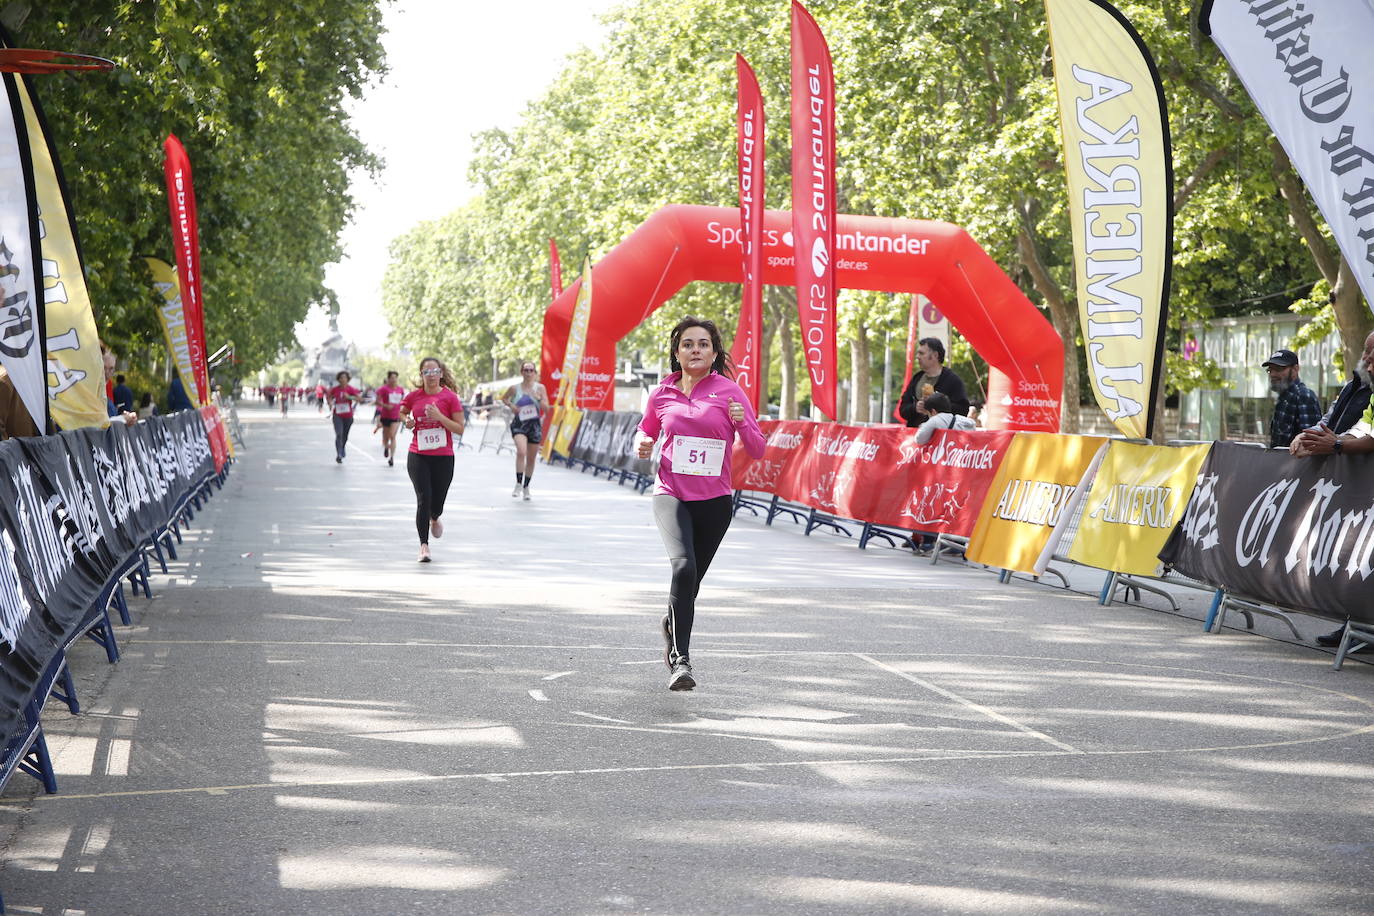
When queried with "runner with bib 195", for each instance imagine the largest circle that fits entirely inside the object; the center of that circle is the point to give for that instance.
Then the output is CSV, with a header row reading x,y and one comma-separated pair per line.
x,y
435,413
698,410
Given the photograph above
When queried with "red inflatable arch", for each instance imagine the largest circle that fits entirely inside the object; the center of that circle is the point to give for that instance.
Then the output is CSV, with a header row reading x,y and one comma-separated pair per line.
x,y
681,243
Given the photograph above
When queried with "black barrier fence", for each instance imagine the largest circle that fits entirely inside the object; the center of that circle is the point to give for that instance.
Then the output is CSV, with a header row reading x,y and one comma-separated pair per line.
x,y
608,441
77,510
1297,532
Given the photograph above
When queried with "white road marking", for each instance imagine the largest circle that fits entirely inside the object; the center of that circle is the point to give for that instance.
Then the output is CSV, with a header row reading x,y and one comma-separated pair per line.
x,y
554,677
976,707
602,718
539,695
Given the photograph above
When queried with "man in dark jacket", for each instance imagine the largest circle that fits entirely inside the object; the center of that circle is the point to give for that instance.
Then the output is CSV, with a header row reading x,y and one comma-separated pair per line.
x,y
932,375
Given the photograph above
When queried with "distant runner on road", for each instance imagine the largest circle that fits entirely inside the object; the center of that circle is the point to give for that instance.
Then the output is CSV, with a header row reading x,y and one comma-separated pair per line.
x,y
435,413
526,400
342,398
389,397
698,410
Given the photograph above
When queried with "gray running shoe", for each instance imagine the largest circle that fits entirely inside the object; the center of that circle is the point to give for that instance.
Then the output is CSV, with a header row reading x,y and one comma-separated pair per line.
x,y
516,492
667,629
525,495
681,678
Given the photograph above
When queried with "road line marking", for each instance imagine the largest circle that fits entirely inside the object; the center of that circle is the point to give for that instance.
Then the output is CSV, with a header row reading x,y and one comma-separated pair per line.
x,y
976,707
554,677
602,718
539,695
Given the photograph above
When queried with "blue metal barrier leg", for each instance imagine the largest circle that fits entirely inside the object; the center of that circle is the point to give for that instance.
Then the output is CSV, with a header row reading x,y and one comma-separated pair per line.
x,y
121,605
1108,586
67,693
1212,611
38,764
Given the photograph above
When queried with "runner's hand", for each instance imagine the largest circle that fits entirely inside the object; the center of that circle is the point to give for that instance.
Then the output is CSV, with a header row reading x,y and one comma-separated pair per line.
x,y
736,411
432,412
646,446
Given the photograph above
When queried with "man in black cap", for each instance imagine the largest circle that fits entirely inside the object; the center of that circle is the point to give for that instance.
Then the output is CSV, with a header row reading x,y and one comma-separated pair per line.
x,y
1297,407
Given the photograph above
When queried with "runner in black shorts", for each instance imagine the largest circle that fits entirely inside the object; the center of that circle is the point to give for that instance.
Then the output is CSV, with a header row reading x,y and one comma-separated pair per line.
x,y
526,401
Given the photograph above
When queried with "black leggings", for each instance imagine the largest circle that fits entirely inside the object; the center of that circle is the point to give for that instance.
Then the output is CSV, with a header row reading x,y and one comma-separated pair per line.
x,y
342,424
691,530
430,475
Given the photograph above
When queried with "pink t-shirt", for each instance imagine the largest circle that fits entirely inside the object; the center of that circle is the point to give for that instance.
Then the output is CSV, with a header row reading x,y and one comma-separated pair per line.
x,y
700,425
430,437
389,401
343,407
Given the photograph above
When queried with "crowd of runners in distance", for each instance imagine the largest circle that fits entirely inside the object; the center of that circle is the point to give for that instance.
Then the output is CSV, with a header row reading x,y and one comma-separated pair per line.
x,y
694,417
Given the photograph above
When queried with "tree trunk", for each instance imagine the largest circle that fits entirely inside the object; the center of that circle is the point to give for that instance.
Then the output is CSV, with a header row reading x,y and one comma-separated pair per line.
x,y
1063,317
860,370
1353,320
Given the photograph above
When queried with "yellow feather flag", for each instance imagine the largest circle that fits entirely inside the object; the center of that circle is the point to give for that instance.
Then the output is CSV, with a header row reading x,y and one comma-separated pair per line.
x,y
173,321
1116,154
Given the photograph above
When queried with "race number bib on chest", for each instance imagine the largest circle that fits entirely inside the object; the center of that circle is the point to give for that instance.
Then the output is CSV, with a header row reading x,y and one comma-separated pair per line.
x,y
343,408
527,412
431,438
695,456
394,397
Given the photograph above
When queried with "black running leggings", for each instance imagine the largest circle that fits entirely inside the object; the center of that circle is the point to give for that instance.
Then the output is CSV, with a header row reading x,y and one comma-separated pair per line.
x,y
691,531
430,475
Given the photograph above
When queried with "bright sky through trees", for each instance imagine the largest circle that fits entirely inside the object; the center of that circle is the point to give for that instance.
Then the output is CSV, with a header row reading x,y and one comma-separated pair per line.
x,y
456,68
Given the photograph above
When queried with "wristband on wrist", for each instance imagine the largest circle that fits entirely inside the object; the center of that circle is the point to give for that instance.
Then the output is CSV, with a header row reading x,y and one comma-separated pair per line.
x,y
1336,447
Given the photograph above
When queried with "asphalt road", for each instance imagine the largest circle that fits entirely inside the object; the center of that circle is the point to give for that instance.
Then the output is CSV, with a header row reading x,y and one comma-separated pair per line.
x,y
305,720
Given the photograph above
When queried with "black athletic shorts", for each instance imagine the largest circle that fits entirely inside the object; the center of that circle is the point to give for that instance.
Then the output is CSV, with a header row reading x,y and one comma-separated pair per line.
x,y
530,429
391,422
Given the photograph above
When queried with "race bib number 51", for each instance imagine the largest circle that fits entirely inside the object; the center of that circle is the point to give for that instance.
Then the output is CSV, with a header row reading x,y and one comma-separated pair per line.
x,y
695,456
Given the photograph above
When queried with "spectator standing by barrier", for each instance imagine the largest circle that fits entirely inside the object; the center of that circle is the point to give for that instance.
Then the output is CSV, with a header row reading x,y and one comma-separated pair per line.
x,y
697,409
435,413
526,401
933,376
128,416
123,395
1297,407
389,398
342,399
1343,432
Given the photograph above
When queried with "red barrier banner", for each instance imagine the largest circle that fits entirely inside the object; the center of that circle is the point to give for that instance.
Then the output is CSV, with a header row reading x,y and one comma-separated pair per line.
x,y
744,353
181,203
786,439
953,473
215,432
841,468
814,202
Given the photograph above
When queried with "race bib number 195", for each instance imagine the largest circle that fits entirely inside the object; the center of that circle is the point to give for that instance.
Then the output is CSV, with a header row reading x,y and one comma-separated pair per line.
x,y
431,438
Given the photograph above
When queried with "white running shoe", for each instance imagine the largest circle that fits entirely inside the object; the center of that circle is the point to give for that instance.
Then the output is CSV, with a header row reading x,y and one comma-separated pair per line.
x,y
516,492
526,494
681,678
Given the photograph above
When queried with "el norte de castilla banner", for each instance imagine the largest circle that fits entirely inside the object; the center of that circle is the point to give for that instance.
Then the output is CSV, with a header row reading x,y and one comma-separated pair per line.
x,y
1120,178
1309,68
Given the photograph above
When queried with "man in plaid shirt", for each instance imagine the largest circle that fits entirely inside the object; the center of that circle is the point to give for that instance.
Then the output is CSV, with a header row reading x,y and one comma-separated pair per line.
x,y
1297,407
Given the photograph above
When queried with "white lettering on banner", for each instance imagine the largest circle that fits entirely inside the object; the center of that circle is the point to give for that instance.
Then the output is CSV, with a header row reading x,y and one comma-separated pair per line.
x,y
1261,522
1034,502
1200,518
112,485
78,497
47,553
723,236
785,441
14,604
1125,504
64,377
845,447
947,455
1117,188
